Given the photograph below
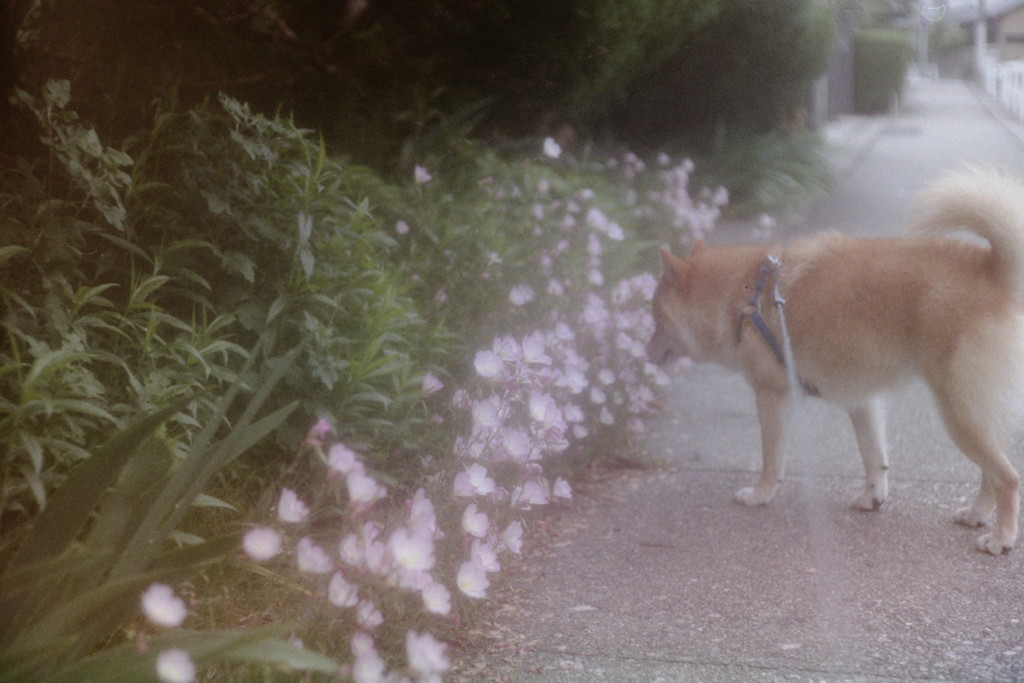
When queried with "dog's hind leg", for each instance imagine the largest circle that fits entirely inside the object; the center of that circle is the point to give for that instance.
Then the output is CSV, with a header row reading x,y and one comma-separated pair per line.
x,y
771,413
869,426
981,510
1000,484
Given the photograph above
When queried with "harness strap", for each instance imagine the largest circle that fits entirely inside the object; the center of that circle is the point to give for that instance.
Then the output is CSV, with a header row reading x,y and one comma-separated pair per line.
x,y
769,267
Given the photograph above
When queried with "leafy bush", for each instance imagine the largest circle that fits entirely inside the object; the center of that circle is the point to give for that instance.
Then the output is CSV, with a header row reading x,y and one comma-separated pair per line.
x,y
89,340
78,574
881,58
232,252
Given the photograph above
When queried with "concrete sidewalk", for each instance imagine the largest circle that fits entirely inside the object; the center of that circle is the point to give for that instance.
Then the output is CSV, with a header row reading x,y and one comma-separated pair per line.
x,y
656,575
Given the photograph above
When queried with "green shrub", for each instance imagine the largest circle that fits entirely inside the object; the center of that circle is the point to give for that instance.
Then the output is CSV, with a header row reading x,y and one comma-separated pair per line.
x,y
770,173
881,58
748,71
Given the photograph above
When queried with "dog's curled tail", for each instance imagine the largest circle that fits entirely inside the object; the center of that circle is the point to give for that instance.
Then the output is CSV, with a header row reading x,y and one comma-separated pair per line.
x,y
983,200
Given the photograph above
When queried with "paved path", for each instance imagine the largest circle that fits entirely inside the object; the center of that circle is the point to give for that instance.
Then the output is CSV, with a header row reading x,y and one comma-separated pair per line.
x,y
656,575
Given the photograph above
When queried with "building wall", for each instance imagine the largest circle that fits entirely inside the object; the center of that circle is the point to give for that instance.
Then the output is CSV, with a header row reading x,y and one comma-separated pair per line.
x,y
1009,35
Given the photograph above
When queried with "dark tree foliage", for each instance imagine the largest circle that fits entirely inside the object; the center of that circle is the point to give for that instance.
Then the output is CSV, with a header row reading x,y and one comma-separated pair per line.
x,y
749,71
373,75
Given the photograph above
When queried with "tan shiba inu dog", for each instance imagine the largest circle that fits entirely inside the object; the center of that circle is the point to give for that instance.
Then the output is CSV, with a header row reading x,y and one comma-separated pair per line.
x,y
862,315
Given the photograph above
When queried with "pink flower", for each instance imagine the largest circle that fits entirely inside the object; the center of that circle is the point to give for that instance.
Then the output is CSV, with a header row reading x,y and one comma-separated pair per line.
x,y
341,458
532,492
317,434
175,666
311,557
290,508
508,349
561,489
472,579
516,444
422,516
521,295
369,665
478,479
363,490
413,551
421,175
512,537
368,616
485,413
544,410
431,385
484,553
533,349
162,607
402,228
427,655
437,599
489,365
261,543
341,593
475,523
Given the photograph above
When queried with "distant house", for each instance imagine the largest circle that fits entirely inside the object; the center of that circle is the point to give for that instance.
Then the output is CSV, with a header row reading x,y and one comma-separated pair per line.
x,y
1005,24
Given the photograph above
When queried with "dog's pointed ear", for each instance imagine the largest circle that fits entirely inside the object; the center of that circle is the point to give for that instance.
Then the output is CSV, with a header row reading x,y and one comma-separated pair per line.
x,y
672,268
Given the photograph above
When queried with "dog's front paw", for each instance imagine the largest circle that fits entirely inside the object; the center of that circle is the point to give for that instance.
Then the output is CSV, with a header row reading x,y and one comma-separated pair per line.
x,y
755,495
870,500
990,543
970,517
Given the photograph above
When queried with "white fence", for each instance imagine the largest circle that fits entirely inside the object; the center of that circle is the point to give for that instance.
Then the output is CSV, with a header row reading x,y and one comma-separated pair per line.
x,y
1005,82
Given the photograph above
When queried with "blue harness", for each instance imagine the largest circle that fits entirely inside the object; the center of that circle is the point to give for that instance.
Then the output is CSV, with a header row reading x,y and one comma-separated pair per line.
x,y
769,267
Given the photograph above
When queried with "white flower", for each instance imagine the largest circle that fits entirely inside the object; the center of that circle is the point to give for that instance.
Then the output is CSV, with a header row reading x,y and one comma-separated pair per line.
x,y
261,543
402,228
341,593
472,580
162,607
290,508
561,489
427,655
311,557
551,148
175,666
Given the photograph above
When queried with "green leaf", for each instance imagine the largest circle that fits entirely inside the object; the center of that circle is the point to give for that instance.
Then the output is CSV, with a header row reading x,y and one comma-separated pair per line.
x,y
72,504
7,253
205,500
